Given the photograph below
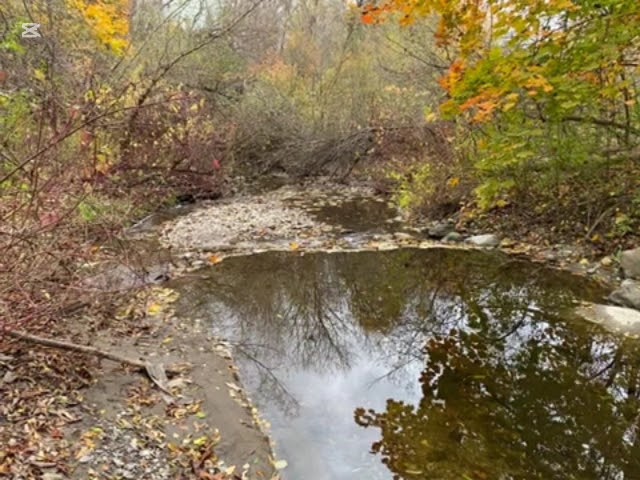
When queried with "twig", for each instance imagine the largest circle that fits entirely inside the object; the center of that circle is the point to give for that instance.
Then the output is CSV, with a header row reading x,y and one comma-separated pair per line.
x,y
597,221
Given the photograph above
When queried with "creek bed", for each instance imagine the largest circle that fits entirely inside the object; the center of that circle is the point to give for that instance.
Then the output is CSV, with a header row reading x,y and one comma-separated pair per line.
x,y
438,364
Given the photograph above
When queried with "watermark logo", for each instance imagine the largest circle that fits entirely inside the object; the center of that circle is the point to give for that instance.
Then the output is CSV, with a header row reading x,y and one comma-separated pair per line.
x,y
30,30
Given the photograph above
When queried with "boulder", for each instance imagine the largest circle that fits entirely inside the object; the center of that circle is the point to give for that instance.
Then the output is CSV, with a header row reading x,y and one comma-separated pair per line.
x,y
630,263
487,240
628,295
615,319
439,230
453,237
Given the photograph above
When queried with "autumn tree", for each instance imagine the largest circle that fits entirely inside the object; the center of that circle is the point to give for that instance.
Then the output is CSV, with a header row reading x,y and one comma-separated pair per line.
x,y
548,91
96,126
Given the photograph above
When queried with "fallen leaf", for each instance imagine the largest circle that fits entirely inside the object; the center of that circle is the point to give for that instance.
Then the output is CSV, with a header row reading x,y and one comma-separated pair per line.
x,y
154,309
215,259
199,442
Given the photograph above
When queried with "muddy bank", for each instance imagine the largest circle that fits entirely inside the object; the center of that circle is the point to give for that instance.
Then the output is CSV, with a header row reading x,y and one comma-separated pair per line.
x,y
204,418
66,415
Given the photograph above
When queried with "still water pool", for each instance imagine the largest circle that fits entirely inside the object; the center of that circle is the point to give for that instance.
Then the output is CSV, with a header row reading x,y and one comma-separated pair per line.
x,y
426,364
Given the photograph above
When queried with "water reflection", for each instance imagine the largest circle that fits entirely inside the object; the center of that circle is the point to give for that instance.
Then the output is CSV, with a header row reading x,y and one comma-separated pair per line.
x,y
461,365
358,215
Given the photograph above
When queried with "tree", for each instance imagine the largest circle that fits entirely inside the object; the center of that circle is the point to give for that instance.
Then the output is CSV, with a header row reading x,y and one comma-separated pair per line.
x,y
547,88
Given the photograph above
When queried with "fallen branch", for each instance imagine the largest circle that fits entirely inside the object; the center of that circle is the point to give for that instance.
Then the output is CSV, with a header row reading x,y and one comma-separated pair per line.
x,y
49,342
155,371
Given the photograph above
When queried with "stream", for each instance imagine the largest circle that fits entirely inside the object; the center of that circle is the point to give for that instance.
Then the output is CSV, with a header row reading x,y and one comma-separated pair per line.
x,y
430,364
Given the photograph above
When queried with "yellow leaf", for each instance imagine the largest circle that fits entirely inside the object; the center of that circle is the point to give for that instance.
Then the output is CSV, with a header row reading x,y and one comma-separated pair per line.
x,y
199,442
294,246
453,182
154,309
107,20
39,75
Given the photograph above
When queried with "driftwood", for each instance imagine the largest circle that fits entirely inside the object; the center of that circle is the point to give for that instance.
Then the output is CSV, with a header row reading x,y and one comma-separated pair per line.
x,y
155,371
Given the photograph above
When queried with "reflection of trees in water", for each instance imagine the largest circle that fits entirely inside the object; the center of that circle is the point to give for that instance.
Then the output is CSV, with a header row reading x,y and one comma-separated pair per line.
x,y
548,409
304,306
509,391
289,312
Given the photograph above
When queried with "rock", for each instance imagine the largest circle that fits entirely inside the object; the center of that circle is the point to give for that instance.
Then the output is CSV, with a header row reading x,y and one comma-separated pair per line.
x,y
628,295
439,229
453,237
487,240
606,261
614,319
384,246
128,474
146,453
630,263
